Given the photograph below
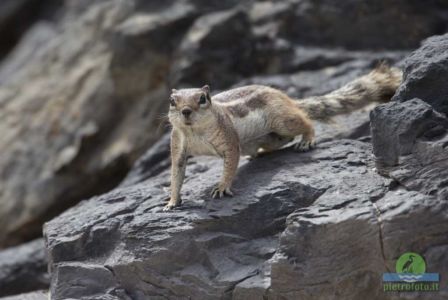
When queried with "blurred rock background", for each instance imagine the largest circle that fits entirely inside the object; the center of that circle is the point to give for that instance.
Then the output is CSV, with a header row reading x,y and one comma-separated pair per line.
x,y
84,84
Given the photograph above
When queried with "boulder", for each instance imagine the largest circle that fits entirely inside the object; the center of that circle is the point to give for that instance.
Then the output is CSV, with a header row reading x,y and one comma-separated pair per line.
x,y
354,24
80,100
427,67
410,134
200,58
410,141
23,268
341,245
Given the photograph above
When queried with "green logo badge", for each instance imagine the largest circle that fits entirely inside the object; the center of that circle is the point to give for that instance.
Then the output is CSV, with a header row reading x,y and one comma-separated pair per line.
x,y
410,262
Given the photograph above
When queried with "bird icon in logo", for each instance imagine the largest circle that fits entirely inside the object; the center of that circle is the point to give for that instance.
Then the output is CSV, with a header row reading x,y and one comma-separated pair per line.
x,y
407,266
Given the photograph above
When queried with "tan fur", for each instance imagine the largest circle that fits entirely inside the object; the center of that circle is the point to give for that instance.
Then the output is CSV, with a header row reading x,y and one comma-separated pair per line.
x,y
377,86
256,118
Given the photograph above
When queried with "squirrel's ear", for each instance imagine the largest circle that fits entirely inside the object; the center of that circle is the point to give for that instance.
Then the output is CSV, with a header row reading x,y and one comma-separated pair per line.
x,y
173,91
206,88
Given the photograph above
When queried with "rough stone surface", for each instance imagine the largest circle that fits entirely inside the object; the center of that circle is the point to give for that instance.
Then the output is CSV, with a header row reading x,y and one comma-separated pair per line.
x,y
153,162
325,214
24,268
17,16
403,130
199,58
342,244
78,100
355,24
40,295
424,68
409,136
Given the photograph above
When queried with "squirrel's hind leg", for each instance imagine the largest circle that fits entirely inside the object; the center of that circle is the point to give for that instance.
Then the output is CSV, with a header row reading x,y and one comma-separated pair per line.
x,y
274,141
294,122
265,144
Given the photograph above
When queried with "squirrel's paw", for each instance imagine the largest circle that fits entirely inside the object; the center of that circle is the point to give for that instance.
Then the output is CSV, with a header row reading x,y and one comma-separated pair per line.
x,y
304,145
219,192
171,205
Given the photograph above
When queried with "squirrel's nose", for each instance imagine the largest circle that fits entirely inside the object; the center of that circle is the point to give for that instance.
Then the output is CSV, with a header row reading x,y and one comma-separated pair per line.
x,y
186,112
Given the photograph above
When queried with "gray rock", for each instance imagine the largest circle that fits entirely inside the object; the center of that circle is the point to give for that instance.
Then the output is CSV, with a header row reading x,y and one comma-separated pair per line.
x,y
410,135
17,16
94,89
355,24
342,244
301,225
156,160
200,58
409,142
40,295
24,268
425,73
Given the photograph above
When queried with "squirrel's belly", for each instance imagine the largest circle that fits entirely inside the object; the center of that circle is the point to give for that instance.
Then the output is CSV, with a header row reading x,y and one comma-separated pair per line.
x,y
252,126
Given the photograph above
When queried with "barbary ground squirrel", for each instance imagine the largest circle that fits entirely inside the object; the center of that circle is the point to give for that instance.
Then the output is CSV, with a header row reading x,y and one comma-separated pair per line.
x,y
250,119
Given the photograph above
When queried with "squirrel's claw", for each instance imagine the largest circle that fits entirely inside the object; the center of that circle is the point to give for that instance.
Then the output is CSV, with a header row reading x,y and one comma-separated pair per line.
x,y
219,192
304,145
171,205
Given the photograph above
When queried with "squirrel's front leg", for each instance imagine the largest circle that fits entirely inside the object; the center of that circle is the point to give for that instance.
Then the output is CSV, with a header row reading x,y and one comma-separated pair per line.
x,y
231,158
178,166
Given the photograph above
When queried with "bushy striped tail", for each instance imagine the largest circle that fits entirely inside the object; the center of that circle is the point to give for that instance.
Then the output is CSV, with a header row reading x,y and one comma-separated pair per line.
x,y
377,86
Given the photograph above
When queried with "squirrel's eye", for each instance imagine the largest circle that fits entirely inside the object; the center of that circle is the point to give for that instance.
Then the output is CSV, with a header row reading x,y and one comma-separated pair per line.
x,y
202,100
172,102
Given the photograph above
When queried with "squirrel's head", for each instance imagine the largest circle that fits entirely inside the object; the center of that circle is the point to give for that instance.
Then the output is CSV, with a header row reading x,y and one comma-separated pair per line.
x,y
189,107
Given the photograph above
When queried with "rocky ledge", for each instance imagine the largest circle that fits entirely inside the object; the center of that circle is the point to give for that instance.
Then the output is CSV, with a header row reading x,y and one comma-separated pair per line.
x,y
301,225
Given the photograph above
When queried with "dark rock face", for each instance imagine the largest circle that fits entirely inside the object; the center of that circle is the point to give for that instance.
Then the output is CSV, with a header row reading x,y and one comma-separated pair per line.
x,y
17,16
397,126
427,67
354,24
39,295
410,136
93,112
199,56
23,268
301,225
410,141
156,160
